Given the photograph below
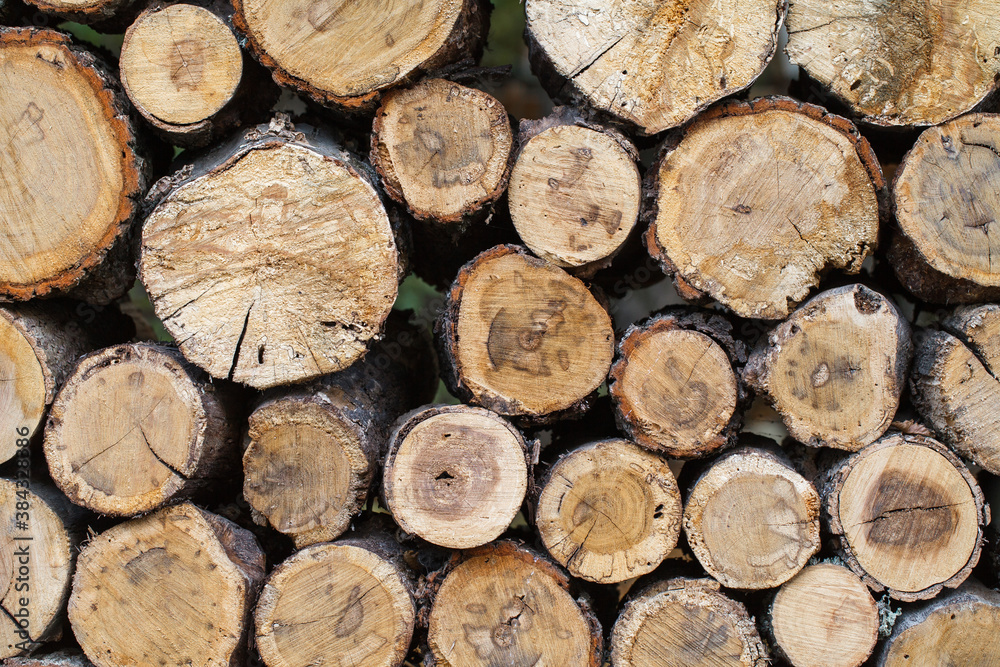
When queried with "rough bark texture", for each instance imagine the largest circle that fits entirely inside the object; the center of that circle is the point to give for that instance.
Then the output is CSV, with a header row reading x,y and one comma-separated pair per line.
x,y
926,283
899,62
135,426
835,369
676,383
523,338
609,511
307,264
313,450
66,110
455,475
175,587
651,65
111,16
907,514
685,622
359,61
67,658
757,200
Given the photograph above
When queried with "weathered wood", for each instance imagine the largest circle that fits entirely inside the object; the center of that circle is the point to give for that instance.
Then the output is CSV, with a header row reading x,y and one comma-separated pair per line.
x,y
823,617
442,149
336,55
683,622
835,369
135,426
676,385
184,71
105,15
68,126
928,284
751,520
67,658
503,604
609,511
653,65
523,337
175,587
313,450
455,475
574,191
39,536
305,265
957,628
898,63
364,616
907,514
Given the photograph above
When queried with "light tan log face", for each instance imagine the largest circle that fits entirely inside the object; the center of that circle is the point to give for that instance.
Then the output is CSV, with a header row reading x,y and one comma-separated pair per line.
x,y
61,126
655,64
334,604
825,617
574,195
757,201
504,605
455,477
947,201
609,511
899,62
180,64
304,266
685,623
23,394
442,149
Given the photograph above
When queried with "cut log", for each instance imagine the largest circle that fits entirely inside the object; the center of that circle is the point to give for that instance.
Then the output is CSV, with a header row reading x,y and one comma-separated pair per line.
x,y
364,616
823,617
758,200
957,628
908,516
314,449
955,383
455,475
106,15
503,604
305,265
947,204
652,64
39,537
574,191
442,149
751,520
185,73
928,284
175,587
898,63
135,426
609,511
67,658
332,52
675,384
523,338
685,623
67,123
835,369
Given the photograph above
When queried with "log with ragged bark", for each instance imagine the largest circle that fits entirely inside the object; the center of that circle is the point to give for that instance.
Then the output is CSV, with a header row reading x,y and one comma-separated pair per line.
x,y
105,15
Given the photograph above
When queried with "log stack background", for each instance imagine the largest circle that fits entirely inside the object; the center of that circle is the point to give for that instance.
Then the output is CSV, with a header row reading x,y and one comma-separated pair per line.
x,y
326,339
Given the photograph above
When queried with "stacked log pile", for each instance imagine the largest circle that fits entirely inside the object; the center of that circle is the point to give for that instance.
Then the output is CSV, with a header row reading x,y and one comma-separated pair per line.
x,y
301,471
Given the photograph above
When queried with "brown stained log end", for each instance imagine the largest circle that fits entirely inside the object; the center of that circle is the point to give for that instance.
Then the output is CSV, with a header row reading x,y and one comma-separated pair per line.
x,y
926,283
339,600
824,616
503,604
609,511
174,587
455,475
69,126
836,368
442,149
685,622
134,426
751,520
723,218
898,63
908,516
523,337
